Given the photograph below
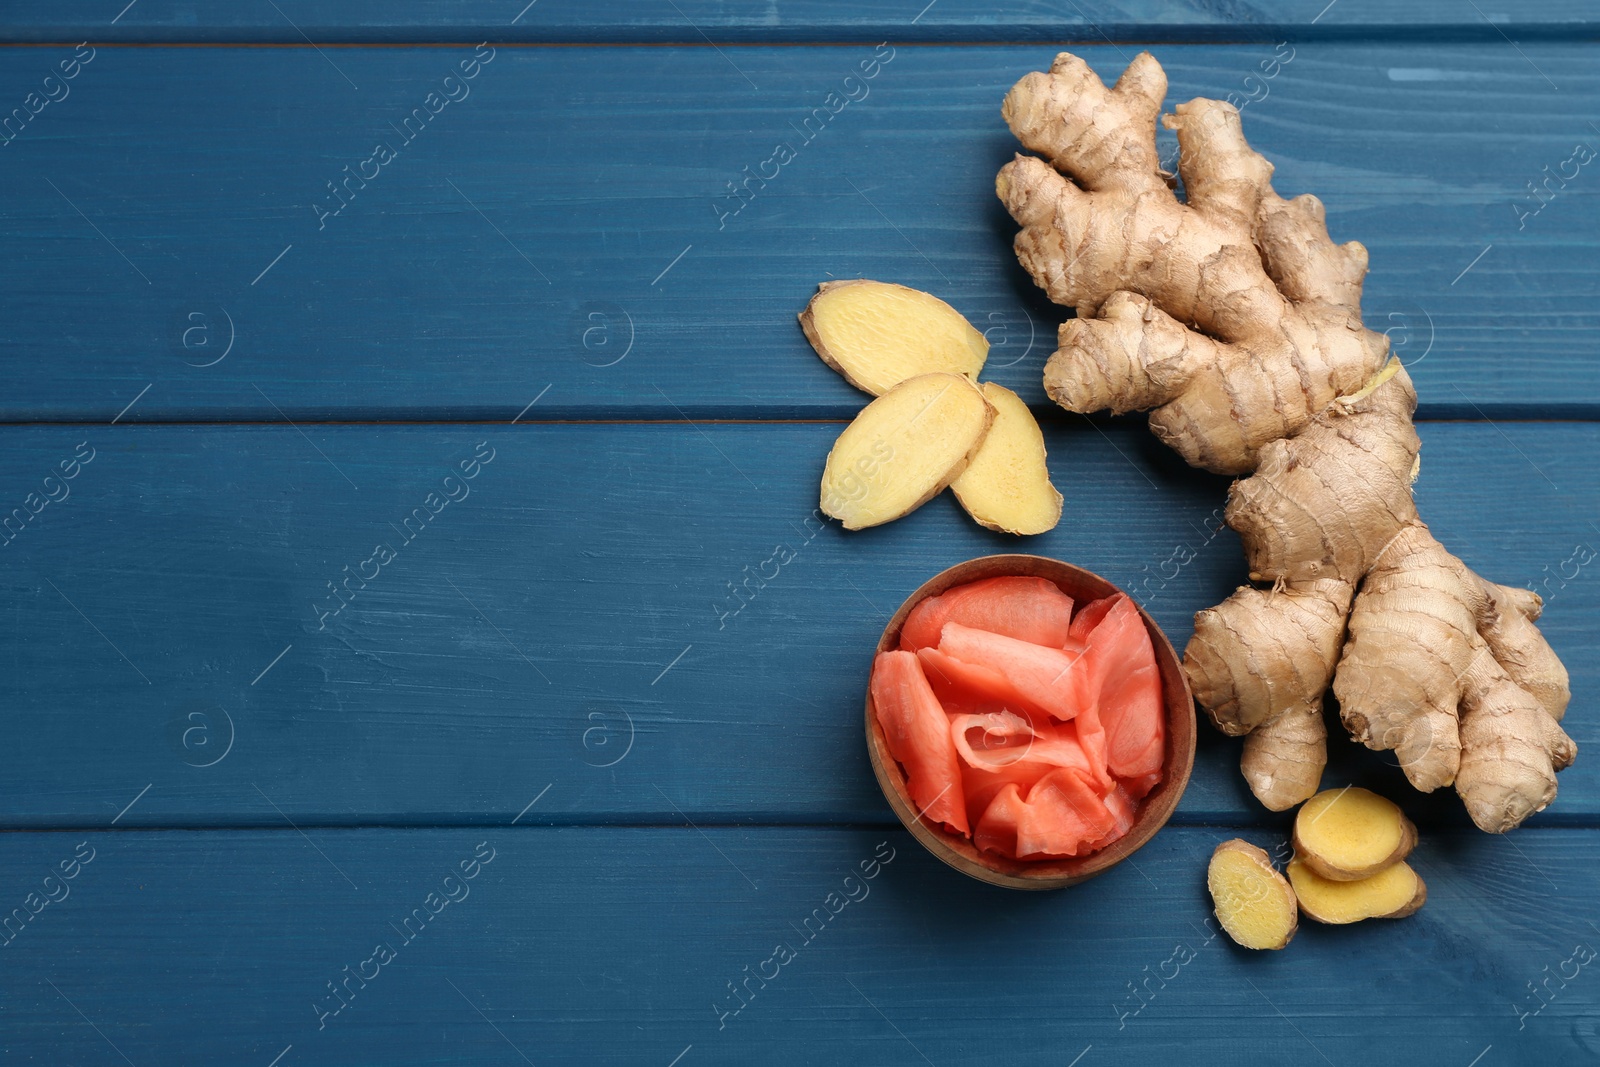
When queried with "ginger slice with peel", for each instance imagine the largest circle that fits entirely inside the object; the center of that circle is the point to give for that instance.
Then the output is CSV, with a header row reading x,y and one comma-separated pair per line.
x,y
1007,486
1254,903
877,335
904,448
1392,893
1345,835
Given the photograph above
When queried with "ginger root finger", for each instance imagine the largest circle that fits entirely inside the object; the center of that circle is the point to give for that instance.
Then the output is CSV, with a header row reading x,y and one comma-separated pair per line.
x,y
1007,485
1261,652
1094,134
877,335
1253,902
1284,757
1132,357
1259,663
903,449
1412,634
1345,835
1517,646
1304,262
1392,893
1511,749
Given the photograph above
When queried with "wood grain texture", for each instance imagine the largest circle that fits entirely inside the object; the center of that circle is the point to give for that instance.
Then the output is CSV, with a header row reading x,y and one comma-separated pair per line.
x,y
585,583
696,21
568,222
616,946
555,665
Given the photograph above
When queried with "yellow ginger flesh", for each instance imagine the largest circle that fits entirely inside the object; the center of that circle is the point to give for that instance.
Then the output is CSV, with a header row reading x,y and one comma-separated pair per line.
x,y
877,335
1253,902
1351,833
903,449
1007,486
1392,893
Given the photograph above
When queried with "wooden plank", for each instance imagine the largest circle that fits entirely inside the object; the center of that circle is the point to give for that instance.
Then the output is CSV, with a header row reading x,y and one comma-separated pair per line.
x,y
723,21
572,617
567,224
617,946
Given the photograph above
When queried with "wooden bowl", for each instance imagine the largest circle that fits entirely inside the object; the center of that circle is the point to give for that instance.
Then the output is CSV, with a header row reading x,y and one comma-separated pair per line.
x,y
1154,810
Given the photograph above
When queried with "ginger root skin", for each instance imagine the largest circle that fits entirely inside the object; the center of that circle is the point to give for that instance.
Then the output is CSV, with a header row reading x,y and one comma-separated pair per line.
x,y
1284,757
1253,902
1235,320
1392,893
1345,835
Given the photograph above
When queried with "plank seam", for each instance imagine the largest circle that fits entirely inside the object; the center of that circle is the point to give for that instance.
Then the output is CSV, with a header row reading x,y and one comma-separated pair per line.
x,y
1460,33
1264,823
699,420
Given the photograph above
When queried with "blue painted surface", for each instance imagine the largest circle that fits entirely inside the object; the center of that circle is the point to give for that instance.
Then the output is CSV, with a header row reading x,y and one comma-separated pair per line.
x,y
698,21
523,631
618,946
520,238
251,397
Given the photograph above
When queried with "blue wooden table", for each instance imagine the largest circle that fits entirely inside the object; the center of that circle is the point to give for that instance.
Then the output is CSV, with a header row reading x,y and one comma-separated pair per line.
x,y
394,394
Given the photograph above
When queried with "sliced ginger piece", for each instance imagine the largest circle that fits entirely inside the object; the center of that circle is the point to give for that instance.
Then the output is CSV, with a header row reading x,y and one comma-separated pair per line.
x,y
1253,901
1392,893
1007,486
1349,834
904,448
877,335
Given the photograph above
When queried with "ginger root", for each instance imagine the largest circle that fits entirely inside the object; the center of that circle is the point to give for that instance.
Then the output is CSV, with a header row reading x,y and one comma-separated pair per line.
x,y
1392,893
1254,903
1235,320
1283,758
904,448
1345,835
1007,486
877,335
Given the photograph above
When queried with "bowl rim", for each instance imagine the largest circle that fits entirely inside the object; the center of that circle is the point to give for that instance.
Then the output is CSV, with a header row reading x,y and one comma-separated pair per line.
x,y
1154,809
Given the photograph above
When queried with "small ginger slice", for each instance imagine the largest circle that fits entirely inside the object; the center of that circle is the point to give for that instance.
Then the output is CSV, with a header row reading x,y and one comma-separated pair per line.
x,y
904,448
1392,893
1348,834
1007,486
1254,904
877,335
